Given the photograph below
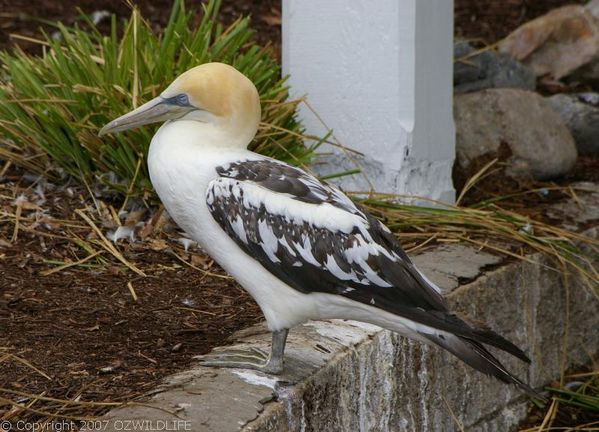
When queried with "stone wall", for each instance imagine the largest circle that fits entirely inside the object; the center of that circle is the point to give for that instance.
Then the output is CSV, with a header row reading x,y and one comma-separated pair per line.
x,y
348,376
389,383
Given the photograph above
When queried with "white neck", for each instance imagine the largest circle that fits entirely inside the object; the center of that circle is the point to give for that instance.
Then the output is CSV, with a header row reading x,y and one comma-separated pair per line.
x,y
205,134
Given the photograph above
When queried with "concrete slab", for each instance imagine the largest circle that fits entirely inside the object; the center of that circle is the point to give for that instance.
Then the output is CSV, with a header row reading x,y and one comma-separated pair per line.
x,y
205,399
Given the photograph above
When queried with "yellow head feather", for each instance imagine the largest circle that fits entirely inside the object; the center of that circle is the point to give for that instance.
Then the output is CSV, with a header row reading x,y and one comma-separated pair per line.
x,y
221,90
225,102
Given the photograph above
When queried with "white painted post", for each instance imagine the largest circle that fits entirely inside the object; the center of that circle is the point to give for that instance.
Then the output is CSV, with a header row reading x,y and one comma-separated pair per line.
x,y
379,73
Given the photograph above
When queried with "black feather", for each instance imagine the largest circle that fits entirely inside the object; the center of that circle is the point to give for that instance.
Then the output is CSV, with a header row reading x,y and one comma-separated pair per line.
x,y
477,356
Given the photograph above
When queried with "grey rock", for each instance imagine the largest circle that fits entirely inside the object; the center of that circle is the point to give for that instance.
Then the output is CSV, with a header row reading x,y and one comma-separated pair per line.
x,y
447,264
556,43
540,143
593,7
576,212
488,69
588,74
580,112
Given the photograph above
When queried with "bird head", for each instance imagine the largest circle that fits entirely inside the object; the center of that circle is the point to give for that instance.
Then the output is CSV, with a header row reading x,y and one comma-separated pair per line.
x,y
215,95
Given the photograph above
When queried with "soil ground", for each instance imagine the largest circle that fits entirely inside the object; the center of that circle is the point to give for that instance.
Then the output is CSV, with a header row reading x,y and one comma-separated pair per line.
x,y
83,332
492,20
475,19
25,17
78,333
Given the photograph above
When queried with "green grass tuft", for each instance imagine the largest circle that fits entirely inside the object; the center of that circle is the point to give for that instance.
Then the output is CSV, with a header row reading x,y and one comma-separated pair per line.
x,y
51,107
573,407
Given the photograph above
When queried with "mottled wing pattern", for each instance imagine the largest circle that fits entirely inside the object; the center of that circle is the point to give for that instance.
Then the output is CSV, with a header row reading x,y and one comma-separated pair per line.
x,y
285,179
315,239
277,214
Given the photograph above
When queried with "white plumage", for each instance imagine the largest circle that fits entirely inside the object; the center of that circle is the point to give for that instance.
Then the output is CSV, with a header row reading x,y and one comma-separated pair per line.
x,y
301,248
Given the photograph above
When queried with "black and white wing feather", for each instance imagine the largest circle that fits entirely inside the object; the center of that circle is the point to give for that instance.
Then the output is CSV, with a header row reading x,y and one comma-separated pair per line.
x,y
315,239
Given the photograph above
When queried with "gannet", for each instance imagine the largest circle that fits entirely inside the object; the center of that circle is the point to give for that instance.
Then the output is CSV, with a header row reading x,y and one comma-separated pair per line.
x,y
301,248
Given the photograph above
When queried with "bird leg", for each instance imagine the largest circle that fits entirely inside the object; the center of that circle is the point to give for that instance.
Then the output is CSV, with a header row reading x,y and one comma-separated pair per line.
x,y
252,358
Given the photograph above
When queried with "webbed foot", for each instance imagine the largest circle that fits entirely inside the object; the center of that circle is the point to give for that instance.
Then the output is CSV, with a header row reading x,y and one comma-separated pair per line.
x,y
251,358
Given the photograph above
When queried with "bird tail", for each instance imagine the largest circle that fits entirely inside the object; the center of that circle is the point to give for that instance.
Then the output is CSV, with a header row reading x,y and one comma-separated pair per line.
x,y
474,354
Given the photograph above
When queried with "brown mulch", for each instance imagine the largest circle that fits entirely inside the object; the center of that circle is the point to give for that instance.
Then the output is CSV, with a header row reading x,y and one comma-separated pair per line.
x,y
23,16
79,332
492,20
525,196
475,19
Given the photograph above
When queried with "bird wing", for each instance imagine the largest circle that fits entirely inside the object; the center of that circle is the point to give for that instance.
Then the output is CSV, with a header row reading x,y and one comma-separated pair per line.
x,y
315,239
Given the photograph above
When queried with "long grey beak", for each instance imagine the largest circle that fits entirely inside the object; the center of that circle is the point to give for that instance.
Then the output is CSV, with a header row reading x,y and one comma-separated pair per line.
x,y
156,110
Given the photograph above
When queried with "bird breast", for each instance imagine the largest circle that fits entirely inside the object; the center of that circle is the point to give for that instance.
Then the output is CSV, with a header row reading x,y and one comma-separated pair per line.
x,y
180,167
180,170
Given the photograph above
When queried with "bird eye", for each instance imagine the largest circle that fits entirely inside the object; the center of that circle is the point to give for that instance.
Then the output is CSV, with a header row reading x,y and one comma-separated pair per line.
x,y
182,99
